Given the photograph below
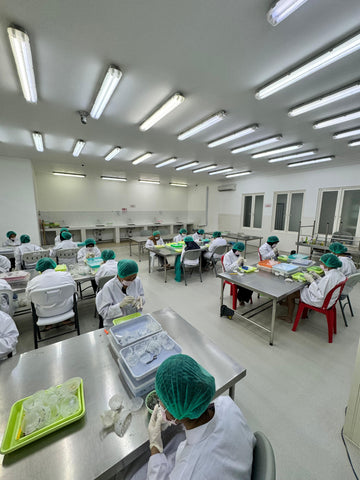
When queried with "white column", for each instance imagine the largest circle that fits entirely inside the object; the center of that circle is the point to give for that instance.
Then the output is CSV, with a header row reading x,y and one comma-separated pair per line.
x,y
352,418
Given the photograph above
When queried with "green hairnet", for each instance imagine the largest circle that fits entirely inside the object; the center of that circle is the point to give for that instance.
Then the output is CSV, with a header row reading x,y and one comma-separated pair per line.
x,y
188,239
157,232
89,241
216,234
330,260
184,387
240,246
45,264
65,235
337,247
127,267
63,230
201,231
183,230
9,233
25,239
273,239
107,254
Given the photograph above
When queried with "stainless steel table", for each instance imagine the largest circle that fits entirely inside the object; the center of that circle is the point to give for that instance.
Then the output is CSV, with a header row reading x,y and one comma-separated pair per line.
x,y
244,238
273,287
141,242
8,252
83,450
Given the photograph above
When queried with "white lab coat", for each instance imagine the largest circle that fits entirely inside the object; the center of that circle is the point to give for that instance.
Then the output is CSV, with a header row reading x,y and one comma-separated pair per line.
x,y
191,263
316,292
266,252
348,266
230,262
5,264
109,297
63,245
8,335
149,244
4,304
106,269
25,248
197,237
85,252
220,449
12,243
57,239
180,237
216,242
51,279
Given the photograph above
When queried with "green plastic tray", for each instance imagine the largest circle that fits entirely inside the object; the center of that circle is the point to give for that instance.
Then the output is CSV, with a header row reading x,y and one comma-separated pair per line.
x,y
10,442
299,277
282,258
116,321
248,270
316,269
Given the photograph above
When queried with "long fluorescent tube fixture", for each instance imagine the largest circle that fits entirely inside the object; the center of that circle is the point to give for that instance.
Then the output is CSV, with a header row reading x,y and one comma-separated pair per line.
x,y
345,117
282,9
110,82
155,182
173,102
233,136
260,143
115,179
324,100
205,169
173,184
166,162
38,141
294,155
270,153
142,158
354,143
112,154
239,174
187,165
330,56
308,162
60,174
202,125
20,46
223,170
346,133
80,144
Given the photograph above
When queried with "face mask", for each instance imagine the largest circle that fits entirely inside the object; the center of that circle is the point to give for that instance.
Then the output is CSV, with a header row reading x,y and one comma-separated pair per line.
x,y
274,245
157,238
163,414
127,283
89,249
324,268
237,254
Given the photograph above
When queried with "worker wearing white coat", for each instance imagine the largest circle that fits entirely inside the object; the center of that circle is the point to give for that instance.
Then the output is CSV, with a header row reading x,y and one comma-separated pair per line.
x,y
49,278
109,267
8,336
348,266
269,251
152,241
58,237
89,250
180,237
199,235
218,443
123,295
231,262
216,241
11,240
189,245
4,302
5,264
25,247
64,244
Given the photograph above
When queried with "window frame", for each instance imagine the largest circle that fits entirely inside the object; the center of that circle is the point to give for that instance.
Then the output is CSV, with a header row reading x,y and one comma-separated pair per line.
x,y
252,213
289,194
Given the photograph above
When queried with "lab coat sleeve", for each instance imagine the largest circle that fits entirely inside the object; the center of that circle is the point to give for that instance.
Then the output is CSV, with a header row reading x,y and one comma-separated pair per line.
x,y
149,243
228,266
141,292
158,467
81,255
105,306
161,242
17,255
8,334
316,292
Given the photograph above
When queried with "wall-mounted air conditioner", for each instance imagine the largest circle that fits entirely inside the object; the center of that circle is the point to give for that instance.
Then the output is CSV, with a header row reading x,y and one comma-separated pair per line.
x,y
228,187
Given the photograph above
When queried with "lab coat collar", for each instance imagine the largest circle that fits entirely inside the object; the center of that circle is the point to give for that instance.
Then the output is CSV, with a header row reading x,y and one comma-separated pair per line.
x,y
196,435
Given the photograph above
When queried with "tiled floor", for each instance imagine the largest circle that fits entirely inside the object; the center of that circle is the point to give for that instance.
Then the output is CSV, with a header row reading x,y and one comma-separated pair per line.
x,y
295,391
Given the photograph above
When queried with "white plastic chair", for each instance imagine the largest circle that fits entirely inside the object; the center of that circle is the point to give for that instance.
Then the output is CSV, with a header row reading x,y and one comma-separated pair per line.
x,y
219,250
350,284
8,297
30,259
102,281
67,256
263,467
191,255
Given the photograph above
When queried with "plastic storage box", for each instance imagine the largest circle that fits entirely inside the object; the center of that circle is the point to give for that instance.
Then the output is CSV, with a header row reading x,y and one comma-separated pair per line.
x,y
133,330
61,268
285,269
303,262
296,256
138,389
267,265
94,262
17,278
247,269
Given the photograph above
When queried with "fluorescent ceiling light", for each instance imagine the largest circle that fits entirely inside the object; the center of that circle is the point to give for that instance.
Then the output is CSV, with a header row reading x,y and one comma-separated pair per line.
x,y
156,182
80,144
205,169
110,82
240,174
294,155
345,117
325,100
233,136
269,153
223,170
282,9
38,141
112,154
347,133
166,162
142,158
173,102
60,174
354,143
260,143
187,165
20,46
202,125
115,179
173,184
333,54
308,162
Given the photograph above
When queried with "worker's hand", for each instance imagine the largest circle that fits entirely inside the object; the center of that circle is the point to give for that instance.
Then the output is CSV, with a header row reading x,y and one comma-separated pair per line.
x,y
308,277
139,303
154,429
315,275
276,251
128,300
240,261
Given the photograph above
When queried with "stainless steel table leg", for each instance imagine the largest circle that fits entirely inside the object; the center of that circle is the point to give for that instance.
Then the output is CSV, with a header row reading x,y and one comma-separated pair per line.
x,y
273,316
232,392
149,261
130,245
139,244
165,269
221,292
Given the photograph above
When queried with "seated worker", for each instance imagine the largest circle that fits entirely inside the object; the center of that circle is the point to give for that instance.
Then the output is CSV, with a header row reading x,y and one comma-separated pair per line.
x,y
4,301
11,240
5,264
231,262
58,237
89,250
180,237
216,241
155,239
189,245
315,293
25,247
217,442
269,249
65,243
199,235
8,336
348,266
121,296
109,267
49,278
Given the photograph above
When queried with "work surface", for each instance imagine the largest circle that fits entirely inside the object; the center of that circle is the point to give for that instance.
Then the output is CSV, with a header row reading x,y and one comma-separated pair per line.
x,y
83,450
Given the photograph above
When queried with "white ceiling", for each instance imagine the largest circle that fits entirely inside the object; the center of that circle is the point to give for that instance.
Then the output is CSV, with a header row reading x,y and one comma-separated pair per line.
x,y
216,53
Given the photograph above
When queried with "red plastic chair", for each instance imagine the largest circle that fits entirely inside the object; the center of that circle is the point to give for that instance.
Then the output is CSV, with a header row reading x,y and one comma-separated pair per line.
x,y
233,288
329,312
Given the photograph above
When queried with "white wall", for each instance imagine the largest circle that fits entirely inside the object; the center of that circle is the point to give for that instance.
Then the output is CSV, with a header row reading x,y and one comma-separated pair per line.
x,y
17,205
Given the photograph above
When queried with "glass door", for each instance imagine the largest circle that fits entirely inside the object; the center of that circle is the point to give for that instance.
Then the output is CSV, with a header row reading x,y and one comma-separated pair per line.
x,y
350,212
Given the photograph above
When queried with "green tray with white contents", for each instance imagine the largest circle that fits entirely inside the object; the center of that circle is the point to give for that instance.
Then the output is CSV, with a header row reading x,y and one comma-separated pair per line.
x,y
14,438
247,269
